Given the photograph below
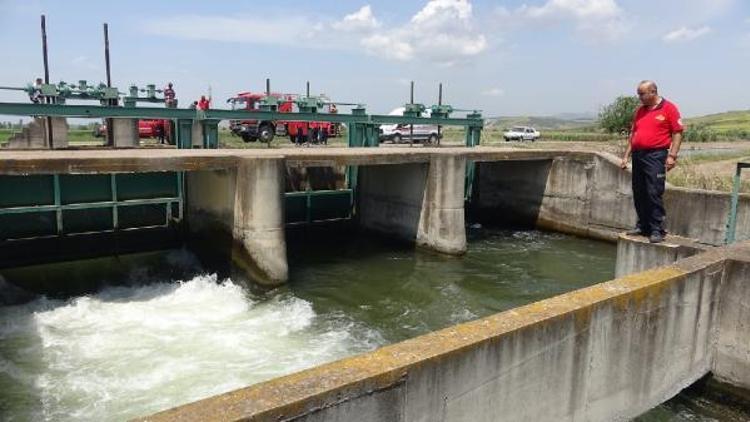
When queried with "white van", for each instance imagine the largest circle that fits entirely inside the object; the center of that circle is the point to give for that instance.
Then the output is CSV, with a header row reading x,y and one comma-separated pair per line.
x,y
426,133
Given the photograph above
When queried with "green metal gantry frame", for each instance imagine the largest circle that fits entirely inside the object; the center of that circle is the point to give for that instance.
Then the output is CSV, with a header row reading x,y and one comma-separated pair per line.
x,y
731,231
363,131
363,127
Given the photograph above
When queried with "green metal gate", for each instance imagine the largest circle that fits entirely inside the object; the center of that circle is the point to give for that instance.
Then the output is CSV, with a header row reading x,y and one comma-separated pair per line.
x,y
316,206
43,206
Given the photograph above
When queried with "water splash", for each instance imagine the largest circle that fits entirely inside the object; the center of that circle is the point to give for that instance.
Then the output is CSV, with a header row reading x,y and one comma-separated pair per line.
x,y
129,351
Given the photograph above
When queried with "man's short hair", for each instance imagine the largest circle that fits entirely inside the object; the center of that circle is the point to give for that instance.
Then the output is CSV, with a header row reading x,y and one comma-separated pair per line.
x,y
650,84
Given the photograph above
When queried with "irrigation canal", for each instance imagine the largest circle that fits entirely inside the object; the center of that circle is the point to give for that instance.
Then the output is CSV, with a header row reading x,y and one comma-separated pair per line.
x,y
165,332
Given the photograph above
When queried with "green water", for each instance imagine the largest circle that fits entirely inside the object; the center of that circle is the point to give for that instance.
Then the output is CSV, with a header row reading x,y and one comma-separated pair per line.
x,y
402,292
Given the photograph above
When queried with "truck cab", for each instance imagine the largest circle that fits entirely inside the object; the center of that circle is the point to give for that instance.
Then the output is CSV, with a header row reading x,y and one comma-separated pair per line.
x,y
252,130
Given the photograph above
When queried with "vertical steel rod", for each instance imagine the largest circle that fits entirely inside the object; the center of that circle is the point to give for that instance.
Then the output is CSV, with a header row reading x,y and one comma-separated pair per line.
x,y
732,221
106,54
411,126
440,102
46,77
308,89
268,87
108,122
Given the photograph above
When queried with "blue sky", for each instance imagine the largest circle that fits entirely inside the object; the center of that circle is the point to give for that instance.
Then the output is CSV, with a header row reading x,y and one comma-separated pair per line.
x,y
518,57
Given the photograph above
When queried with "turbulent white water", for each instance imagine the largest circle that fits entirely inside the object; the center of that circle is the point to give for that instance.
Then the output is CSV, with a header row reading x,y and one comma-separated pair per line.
x,y
130,351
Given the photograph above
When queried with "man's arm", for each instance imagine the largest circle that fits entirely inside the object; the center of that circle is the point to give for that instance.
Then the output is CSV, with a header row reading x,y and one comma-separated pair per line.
x,y
674,150
628,150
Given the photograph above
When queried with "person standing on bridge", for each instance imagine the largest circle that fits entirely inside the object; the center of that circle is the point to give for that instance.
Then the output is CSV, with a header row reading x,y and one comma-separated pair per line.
x,y
204,103
655,140
170,97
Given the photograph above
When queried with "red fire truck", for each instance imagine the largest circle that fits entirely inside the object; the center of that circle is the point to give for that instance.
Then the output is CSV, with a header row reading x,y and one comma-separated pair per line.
x,y
147,128
264,131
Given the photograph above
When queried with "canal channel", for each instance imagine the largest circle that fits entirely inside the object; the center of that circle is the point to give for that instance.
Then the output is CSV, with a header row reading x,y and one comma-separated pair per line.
x,y
165,331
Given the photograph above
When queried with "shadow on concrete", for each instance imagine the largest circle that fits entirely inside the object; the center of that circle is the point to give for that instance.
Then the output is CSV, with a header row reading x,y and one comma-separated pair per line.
x,y
508,193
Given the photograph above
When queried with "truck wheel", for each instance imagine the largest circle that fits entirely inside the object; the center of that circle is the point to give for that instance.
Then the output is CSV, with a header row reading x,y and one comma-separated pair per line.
x,y
432,139
265,134
397,138
507,139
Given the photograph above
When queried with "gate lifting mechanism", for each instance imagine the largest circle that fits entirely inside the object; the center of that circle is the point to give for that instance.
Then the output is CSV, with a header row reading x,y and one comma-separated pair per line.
x,y
363,128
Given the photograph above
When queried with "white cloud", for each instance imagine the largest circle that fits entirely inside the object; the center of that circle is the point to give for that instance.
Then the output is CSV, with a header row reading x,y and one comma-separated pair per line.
x,y
580,9
597,19
388,47
362,19
253,29
684,34
494,92
442,32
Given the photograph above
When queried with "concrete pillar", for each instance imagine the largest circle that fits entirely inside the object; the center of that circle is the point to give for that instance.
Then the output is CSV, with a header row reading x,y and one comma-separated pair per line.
x,y
732,357
35,134
422,203
237,216
197,134
259,244
125,133
635,254
59,132
441,223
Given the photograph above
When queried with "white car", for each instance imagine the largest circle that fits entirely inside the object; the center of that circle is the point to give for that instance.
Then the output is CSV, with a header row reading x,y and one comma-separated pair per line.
x,y
428,134
521,133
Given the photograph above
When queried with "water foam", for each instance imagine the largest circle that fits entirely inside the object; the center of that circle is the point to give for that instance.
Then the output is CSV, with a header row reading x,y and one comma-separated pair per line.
x,y
129,351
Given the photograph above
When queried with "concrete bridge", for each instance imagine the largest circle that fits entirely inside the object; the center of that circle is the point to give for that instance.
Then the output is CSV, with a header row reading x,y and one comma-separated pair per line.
x,y
414,194
609,352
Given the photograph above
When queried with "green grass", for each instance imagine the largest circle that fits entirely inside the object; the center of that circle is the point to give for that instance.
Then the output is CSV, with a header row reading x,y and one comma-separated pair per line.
x,y
538,122
724,122
688,173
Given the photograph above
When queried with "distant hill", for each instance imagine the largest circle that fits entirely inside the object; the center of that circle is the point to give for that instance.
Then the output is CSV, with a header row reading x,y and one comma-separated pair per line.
x,y
542,122
730,121
722,122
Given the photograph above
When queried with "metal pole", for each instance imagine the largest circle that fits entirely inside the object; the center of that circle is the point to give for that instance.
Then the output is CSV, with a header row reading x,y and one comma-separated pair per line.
x,y
46,78
411,127
308,89
440,102
106,54
108,122
268,87
732,220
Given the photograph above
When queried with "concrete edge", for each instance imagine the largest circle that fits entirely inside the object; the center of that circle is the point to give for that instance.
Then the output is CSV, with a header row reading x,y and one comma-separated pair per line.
x,y
322,386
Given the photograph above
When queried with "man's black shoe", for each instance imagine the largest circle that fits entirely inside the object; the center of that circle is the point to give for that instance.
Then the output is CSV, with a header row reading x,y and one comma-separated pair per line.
x,y
656,237
635,232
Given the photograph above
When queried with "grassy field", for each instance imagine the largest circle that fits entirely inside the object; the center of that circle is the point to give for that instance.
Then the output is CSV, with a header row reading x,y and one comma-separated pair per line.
x,y
731,121
713,171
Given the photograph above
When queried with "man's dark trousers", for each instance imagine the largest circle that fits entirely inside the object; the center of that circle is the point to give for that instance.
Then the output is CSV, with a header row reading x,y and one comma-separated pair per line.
x,y
649,177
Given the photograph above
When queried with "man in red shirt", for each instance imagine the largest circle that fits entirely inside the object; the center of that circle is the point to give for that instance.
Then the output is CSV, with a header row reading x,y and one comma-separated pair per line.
x,y
170,97
655,141
204,103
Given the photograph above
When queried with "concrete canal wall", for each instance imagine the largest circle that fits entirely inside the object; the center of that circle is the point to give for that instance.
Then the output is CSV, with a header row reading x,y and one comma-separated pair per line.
x,y
421,202
607,352
589,195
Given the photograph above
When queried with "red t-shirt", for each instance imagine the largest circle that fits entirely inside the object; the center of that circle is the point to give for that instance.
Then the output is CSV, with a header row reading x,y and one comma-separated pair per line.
x,y
204,104
653,128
